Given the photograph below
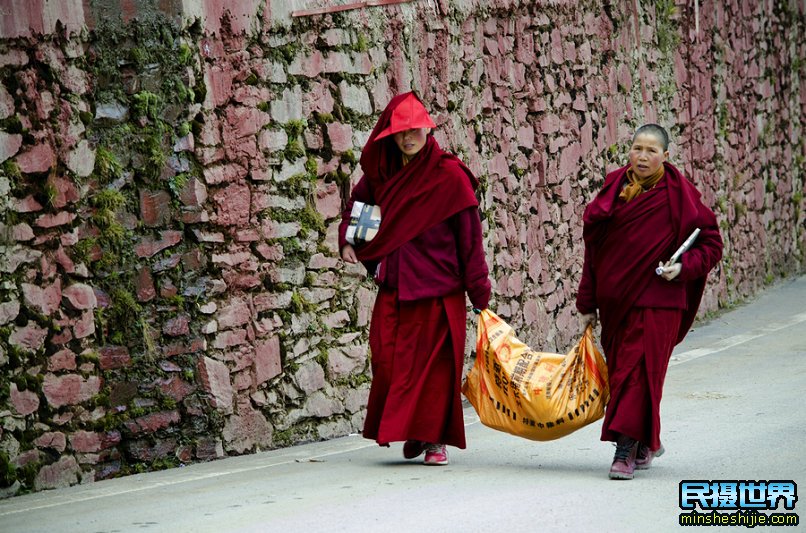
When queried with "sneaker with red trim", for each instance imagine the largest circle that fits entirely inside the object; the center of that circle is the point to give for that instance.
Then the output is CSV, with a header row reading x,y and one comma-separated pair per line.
x,y
644,456
435,455
413,448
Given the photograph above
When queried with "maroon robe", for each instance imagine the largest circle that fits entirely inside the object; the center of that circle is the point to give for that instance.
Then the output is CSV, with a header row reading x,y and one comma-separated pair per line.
x,y
643,316
430,253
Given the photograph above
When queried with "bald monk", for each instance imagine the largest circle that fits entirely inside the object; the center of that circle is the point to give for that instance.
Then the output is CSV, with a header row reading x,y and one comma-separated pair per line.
x,y
643,213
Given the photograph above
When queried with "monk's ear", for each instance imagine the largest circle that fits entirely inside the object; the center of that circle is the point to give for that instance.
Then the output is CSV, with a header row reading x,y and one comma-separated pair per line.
x,y
666,155
427,130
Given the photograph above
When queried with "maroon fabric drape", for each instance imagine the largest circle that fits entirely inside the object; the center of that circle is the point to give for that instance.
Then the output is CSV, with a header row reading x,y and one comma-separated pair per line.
x,y
625,241
637,360
434,186
417,357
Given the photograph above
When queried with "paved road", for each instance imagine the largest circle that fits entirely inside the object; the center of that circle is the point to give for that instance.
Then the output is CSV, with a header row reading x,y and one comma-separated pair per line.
x,y
733,409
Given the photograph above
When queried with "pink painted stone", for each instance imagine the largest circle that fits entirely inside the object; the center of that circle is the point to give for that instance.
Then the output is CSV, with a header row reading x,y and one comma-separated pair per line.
x,y
114,357
26,205
62,360
61,257
155,207
246,121
70,389
84,326
233,204
219,84
144,285
152,422
55,440
149,247
328,199
80,296
91,441
29,337
319,99
23,402
176,388
62,473
267,360
194,193
39,158
227,339
178,326
54,220
247,430
228,173
235,314
341,136
45,299
215,380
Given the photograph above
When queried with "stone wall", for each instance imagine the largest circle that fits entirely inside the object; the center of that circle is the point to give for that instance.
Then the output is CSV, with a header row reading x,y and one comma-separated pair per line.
x,y
172,172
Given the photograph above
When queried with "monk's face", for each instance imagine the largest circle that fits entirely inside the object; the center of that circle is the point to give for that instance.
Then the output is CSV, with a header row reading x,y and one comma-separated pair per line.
x,y
647,155
412,141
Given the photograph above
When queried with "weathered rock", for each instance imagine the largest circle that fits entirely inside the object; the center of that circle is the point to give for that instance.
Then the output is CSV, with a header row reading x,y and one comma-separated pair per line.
x,y
9,144
310,377
62,360
55,440
152,422
90,441
30,337
247,430
111,357
235,314
62,473
114,112
155,207
70,389
268,362
80,296
9,311
215,380
46,300
23,402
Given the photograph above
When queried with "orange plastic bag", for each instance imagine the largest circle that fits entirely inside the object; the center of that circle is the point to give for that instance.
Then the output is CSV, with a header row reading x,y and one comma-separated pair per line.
x,y
538,396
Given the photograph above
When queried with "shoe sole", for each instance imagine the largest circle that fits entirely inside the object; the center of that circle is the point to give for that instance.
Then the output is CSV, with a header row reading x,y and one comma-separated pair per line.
x,y
435,463
621,477
645,466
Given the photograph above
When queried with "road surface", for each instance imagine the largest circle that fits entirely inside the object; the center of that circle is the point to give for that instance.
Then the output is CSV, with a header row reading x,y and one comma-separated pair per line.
x,y
733,409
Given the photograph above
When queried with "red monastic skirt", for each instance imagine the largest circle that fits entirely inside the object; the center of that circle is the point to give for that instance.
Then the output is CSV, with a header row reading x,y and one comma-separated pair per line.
x,y
637,359
417,357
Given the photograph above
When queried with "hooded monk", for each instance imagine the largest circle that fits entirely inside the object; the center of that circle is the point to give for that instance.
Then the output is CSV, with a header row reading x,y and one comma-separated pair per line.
x,y
426,255
643,213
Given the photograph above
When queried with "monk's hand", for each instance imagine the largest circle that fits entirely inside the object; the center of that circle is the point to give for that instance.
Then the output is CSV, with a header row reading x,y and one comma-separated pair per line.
x,y
585,320
670,271
348,254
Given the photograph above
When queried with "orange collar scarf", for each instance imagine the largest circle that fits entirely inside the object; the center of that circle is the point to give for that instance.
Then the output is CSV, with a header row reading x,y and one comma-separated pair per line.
x,y
636,185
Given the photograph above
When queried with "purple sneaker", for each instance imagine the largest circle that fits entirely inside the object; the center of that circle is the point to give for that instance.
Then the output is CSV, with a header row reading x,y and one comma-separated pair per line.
x,y
413,448
435,454
644,456
623,466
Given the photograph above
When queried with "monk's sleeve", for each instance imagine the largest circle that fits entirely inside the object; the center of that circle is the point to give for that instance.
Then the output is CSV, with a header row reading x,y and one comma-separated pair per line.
x,y
361,193
703,256
471,254
586,295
